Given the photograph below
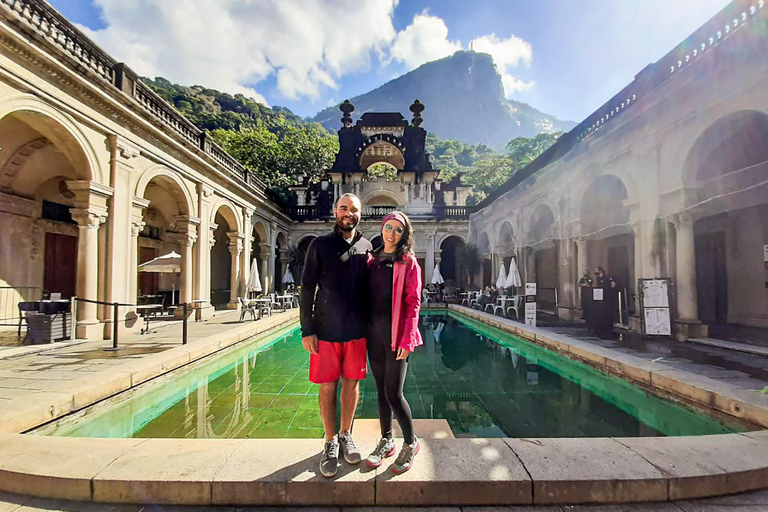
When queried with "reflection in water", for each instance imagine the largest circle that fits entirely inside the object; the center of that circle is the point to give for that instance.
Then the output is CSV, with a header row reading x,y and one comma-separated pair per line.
x,y
484,382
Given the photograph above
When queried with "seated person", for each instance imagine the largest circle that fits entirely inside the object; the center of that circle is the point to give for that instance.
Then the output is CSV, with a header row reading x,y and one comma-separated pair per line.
x,y
488,297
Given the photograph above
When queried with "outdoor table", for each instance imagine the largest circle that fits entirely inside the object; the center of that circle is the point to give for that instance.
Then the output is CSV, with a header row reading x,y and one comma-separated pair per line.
x,y
264,302
146,311
285,301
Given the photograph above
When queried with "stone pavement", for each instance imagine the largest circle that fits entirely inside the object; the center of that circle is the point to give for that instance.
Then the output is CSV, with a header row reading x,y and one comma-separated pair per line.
x,y
746,502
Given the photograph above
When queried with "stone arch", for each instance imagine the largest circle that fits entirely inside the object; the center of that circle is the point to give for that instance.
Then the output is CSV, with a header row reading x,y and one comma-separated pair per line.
x,y
380,196
730,156
540,224
445,236
582,189
484,243
381,151
46,119
606,205
506,236
451,265
175,185
230,213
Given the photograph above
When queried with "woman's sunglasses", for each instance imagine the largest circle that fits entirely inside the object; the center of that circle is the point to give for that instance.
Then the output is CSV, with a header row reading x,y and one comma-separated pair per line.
x,y
390,227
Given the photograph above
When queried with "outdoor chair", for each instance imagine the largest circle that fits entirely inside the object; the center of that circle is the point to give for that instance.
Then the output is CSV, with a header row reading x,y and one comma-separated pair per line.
x,y
514,307
246,307
425,298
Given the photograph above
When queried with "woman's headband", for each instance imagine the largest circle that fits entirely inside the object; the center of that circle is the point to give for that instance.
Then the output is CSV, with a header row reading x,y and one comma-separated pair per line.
x,y
394,216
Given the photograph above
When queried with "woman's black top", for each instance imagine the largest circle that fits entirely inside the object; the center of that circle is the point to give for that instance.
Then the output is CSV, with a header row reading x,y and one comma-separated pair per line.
x,y
380,276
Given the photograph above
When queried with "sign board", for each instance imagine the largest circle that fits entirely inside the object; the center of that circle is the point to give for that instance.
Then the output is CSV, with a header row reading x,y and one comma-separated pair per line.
x,y
655,306
655,293
530,288
597,294
530,314
765,252
657,321
55,295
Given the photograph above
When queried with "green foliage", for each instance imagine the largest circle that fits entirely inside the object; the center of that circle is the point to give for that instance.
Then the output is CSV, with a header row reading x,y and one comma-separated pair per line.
x,y
470,257
523,151
381,169
273,143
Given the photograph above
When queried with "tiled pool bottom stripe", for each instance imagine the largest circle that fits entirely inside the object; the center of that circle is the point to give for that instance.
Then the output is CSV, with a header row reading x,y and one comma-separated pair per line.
x,y
448,471
23,414
699,389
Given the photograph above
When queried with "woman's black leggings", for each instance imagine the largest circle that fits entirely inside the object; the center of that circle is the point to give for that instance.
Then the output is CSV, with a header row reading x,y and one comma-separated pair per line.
x,y
389,374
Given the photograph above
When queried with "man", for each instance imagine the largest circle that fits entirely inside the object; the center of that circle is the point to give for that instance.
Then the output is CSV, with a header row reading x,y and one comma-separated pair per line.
x,y
333,325
602,306
585,285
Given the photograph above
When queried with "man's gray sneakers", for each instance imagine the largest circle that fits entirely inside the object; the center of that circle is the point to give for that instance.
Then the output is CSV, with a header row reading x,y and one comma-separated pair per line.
x,y
349,449
329,461
385,448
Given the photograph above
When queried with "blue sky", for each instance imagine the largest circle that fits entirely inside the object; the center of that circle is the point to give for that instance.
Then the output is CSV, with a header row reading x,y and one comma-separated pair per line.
x,y
564,57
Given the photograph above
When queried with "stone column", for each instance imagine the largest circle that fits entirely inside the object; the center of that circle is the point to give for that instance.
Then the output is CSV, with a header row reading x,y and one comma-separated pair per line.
x,y
202,269
565,263
430,258
88,221
245,257
137,225
186,241
265,250
235,249
687,323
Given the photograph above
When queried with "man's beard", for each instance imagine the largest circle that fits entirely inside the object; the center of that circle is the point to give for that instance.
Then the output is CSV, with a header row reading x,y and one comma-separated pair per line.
x,y
343,227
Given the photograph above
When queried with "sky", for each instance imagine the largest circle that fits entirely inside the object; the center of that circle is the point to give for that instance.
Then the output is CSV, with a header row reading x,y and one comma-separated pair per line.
x,y
563,57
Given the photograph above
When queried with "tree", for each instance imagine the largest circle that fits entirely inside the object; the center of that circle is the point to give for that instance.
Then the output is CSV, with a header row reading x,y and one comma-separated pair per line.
x,y
470,258
524,150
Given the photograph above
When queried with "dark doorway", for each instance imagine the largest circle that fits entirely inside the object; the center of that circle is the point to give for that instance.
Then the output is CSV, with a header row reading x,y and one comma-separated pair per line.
x,y
618,266
60,264
546,277
711,277
487,273
147,280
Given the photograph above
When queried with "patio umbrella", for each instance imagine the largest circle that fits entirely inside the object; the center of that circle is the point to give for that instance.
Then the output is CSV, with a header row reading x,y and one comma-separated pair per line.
x,y
168,263
254,283
439,331
513,278
501,281
287,276
437,278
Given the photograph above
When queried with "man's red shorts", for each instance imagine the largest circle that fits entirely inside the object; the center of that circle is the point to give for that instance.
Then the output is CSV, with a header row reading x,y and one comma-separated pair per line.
x,y
336,359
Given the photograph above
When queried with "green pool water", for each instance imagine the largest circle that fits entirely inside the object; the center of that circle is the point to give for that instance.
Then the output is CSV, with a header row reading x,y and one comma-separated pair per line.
x,y
483,381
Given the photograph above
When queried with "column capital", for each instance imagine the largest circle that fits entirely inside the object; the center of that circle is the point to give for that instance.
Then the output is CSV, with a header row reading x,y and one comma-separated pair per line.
x,y
235,243
137,225
89,192
124,148
682,220
140,203
186,239
90,218
205,190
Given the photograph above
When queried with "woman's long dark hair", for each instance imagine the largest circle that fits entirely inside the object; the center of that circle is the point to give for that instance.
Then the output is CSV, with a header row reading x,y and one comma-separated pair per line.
x,y
405,245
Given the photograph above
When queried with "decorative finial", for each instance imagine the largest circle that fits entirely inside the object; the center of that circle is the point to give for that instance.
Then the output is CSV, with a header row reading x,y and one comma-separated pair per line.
x,y
417,108
347,108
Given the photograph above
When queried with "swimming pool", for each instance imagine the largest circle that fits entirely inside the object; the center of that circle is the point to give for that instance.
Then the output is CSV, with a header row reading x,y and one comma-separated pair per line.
x,y
483,381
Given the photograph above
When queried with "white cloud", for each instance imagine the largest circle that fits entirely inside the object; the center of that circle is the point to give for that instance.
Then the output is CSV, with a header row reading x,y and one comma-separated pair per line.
x,y
507,54
424,40
307,45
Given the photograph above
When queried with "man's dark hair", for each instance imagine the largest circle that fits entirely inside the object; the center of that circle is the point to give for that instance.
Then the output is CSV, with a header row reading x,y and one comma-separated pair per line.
x,y
348,194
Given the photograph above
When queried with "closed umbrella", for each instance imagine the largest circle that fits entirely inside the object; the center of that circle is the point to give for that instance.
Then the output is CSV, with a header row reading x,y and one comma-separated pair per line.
x,y
501,281
513,278
287,276
254,283
437,278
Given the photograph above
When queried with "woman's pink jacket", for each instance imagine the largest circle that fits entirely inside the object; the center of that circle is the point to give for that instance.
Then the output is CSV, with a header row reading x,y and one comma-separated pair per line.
x,y
406,303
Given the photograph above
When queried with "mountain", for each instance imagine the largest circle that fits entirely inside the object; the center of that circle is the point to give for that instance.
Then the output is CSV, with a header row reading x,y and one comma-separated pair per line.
x,y
464,100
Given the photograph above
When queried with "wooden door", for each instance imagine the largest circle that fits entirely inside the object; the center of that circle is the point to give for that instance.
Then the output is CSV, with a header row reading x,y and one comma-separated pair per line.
x,y
60,274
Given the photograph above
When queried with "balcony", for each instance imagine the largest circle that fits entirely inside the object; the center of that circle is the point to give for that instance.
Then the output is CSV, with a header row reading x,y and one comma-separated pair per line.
x,y
303,213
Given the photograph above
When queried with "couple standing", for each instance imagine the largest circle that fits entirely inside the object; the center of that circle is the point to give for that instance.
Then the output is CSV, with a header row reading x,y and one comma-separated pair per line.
x,y
356,300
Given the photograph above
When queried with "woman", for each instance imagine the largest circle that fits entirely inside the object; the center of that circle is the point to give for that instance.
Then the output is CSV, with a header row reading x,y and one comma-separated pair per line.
x,y
395,302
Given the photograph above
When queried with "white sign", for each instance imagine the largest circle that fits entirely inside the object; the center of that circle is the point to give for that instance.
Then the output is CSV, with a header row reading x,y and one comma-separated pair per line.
x,y
530,288
55,295
530,314
655,293
597,294
765,252
657,321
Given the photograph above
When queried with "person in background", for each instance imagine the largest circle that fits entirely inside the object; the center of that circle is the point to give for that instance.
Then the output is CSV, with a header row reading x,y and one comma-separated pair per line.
x,y
333,326
601,310
394,281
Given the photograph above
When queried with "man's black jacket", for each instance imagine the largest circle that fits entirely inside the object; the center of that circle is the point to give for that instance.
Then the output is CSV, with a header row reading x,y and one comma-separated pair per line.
x,y
337,271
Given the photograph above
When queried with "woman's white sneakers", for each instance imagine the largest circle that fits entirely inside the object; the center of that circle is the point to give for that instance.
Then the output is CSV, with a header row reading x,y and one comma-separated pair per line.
x,y
385,448
404,460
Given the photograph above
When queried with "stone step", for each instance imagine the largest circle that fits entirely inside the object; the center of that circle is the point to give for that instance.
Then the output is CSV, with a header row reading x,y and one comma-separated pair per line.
x,y
424,429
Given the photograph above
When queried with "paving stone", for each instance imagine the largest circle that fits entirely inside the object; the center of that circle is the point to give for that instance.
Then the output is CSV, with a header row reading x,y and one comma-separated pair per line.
x,y
588,470
736,500
705,465
9,502
32,410
425,429
48,505
56,467
705,507
457,472
165,471
285,472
